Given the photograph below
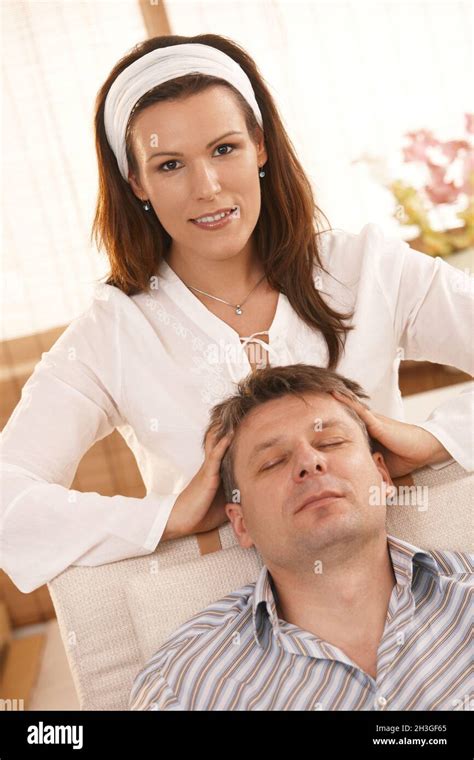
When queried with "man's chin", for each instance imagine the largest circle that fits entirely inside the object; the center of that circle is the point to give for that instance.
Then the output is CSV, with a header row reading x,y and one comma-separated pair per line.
x,y
325,531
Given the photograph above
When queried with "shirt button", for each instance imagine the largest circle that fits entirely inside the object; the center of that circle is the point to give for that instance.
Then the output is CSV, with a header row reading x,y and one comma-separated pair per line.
x,y
381,701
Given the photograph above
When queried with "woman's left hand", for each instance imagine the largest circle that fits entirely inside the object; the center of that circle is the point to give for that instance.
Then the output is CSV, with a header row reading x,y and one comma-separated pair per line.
x,y
404,447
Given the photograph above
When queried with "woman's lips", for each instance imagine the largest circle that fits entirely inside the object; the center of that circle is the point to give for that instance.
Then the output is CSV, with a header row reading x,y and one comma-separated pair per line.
x,y
216,225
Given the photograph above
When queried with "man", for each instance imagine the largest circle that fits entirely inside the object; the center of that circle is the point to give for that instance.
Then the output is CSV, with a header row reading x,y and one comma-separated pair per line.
x,y
342,616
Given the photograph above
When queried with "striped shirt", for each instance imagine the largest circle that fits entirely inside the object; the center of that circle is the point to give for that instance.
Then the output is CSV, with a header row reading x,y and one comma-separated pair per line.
x,y
238,655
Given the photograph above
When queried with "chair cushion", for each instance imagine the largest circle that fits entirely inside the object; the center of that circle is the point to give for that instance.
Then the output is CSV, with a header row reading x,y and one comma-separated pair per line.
x,y
159,603
442,518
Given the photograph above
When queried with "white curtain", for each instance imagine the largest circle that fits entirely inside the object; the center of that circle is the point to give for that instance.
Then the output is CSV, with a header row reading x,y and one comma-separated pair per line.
x,y
55,56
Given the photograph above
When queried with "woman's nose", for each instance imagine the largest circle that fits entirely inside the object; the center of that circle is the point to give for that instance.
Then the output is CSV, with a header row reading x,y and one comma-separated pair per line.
x,y
205,181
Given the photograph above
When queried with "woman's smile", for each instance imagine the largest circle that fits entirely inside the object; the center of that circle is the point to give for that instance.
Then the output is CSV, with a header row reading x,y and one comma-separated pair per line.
x,y
218,223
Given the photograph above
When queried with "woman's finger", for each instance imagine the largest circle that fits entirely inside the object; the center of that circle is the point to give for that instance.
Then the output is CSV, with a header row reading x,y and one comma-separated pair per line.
x,y
362,408
214,457
373,422
210,440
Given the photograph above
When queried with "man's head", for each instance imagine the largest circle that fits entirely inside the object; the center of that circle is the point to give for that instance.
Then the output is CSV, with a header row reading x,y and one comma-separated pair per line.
x,y
294,441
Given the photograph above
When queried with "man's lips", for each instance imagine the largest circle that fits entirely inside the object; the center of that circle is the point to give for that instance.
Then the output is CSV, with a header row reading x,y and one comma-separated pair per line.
x,y
315,497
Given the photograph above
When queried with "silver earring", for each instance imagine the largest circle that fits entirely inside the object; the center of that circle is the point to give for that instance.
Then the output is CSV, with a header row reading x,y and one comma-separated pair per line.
x,y
262,172
147,205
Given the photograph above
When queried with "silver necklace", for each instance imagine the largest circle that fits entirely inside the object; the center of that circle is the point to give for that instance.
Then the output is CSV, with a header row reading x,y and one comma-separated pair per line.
x,y
236,306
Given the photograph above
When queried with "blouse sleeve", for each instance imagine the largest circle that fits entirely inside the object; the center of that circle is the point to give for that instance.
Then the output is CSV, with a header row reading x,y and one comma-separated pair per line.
x,y
71,400
432,308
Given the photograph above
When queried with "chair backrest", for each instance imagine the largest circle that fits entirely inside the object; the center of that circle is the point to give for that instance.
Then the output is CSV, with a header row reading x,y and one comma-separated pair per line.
x,y
113,617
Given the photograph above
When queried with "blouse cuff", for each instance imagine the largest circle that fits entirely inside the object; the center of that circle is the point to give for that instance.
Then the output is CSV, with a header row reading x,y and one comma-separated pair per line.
x,y
458,453
165,506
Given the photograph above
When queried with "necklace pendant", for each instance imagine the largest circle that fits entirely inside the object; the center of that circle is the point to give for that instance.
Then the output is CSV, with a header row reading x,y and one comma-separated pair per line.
x,y
238,310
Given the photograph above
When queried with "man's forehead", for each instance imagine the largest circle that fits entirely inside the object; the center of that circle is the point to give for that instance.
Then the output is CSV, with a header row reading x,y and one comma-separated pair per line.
x,y
308,403
271,418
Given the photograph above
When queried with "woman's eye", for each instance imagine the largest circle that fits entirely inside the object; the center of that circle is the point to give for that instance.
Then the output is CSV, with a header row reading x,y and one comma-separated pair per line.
x,y
162,167
225,145
167,171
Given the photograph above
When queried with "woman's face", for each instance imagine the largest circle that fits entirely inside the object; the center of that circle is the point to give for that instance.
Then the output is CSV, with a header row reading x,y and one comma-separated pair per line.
x,y
211,171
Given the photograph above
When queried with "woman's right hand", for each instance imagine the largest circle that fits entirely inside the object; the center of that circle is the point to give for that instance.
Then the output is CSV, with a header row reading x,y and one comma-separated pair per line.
x,y
201,506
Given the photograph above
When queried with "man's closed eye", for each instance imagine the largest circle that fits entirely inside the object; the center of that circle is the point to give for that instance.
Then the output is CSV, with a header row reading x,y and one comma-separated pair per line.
x,y
279,461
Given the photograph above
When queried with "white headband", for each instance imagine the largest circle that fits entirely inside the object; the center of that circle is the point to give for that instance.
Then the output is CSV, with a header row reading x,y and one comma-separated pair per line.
x,y
157,67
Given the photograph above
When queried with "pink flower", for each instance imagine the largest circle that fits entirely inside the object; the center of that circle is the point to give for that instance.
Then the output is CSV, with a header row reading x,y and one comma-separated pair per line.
x,y
451,148
467,169
421,140
439,191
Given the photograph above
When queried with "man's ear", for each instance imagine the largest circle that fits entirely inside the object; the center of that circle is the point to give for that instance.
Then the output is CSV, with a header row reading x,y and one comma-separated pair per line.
x,y
382,467
234,513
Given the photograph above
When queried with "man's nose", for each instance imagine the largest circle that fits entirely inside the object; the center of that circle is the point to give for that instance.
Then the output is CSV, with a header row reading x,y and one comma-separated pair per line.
x,y
309,462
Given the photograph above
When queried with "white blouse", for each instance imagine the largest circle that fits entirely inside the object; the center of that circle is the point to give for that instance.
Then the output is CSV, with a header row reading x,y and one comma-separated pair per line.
x,y
152,365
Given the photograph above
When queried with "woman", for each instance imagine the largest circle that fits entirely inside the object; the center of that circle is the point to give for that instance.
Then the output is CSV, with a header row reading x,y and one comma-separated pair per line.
x,y
185,128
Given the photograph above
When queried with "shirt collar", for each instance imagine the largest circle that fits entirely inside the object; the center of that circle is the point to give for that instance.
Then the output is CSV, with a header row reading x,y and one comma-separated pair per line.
x,y
403,556
263,604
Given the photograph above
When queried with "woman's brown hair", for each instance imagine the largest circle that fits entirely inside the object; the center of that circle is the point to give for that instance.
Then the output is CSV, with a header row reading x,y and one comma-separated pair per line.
x,y
286,233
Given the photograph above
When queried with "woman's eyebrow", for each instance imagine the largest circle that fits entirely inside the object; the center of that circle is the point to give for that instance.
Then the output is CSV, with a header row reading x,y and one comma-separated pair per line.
x,y
175,153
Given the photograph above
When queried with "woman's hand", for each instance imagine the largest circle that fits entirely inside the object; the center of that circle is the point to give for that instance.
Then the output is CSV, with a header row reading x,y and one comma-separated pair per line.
x,y
404,447
201,506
